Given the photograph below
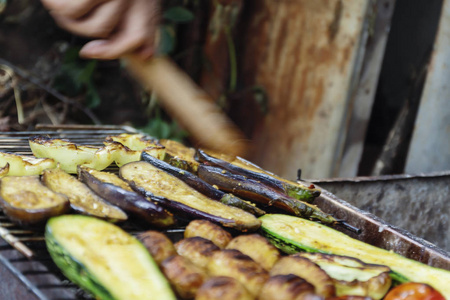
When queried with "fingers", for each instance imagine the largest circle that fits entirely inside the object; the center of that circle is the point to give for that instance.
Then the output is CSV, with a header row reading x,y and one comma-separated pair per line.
x,y
136,33
100,22
71,9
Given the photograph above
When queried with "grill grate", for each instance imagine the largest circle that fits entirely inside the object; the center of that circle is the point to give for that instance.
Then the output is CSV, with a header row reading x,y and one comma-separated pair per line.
x,y
23,251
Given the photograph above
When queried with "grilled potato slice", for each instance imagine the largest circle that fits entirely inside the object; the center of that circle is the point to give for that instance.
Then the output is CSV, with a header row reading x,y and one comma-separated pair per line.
x,y
208,230
233,263
352,276
82,198
23,165
258,248
26,201
306,269
158,244
184,276
223,288
196,249
287,287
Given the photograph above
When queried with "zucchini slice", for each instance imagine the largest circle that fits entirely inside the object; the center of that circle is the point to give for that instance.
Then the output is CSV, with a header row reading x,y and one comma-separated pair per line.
x,y
292,234
104,260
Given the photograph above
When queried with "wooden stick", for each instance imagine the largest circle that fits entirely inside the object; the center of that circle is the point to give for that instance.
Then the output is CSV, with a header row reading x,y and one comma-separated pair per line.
x,y
191,107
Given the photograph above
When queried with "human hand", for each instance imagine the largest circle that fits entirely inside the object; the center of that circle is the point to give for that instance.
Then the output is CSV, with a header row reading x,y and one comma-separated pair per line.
x,y
117,26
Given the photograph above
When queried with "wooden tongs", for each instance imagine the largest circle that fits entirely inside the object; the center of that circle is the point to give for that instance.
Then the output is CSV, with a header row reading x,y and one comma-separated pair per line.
x,y
190,106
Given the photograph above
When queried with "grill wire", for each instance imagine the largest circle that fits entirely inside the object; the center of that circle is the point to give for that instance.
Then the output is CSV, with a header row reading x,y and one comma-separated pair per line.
x,y
23,251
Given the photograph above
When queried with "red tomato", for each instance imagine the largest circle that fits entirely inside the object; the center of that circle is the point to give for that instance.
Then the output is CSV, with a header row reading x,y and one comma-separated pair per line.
x,y
413,291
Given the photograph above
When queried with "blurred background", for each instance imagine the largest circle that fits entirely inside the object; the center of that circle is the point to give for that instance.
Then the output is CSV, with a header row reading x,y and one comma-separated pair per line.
x,y
335,88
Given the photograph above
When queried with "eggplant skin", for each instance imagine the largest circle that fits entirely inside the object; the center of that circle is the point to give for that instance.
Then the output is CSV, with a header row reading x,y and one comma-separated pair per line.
x,y
117,192
27,202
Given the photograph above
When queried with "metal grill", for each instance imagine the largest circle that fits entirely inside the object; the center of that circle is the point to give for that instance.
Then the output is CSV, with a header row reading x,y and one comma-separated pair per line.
x,y
27,271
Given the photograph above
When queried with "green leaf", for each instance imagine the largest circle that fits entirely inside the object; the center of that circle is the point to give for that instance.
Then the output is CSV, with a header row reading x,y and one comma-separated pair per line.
x,y
178,14
167,40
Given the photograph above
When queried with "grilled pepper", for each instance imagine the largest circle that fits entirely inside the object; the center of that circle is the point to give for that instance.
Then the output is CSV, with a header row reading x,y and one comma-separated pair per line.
x,y
23,165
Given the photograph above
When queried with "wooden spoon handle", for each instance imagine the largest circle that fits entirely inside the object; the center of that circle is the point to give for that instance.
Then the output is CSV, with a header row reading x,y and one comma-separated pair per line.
x,y
190,106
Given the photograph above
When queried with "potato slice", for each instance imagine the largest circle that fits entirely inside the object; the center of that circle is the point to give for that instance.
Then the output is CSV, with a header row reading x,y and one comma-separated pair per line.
x,y
208,230
196,249
287,287
223,288
158,244
352,276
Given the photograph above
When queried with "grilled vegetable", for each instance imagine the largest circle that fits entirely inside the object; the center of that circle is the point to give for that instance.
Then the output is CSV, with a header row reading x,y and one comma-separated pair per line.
x,y
123,155
306,269
257,192
223,288
4,170
242,167
208,230
413,291
184,276
117,192
287,287
22,165
174,194
258,248
353,277
137,142
26,201
233,263
202,186
82,198
292,234
180,156
103,259
158,244
69,155
197,249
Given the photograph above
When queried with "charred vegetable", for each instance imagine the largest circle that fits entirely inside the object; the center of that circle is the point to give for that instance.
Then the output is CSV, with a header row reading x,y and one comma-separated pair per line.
x,y
308,270
183,275
158,244
292,234
180,156
22,165
241,167
202,186
235,264
82,198
223,288
413,291
255,191
26,201
4,170
257,247
208,230
174,194
352,276
117,192
197,249
69,155
288,287
104,260
137,142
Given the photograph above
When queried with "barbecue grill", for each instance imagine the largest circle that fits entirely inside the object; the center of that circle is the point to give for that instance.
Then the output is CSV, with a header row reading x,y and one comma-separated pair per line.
x,y
27,271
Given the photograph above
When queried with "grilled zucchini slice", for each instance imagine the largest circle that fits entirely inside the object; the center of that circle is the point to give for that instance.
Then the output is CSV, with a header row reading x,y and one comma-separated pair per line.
x,y
292,234
104,260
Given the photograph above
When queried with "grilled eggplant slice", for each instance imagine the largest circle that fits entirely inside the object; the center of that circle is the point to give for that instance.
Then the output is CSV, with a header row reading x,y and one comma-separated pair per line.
x,y
174,194
183,275
197,249
117,192
287,287
308,270
233,263
291,235
208,230
352,276
260,193
223,288
203,187
22,165
104,260
242,167
258,248
158,244
69,155
82,198
26,201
